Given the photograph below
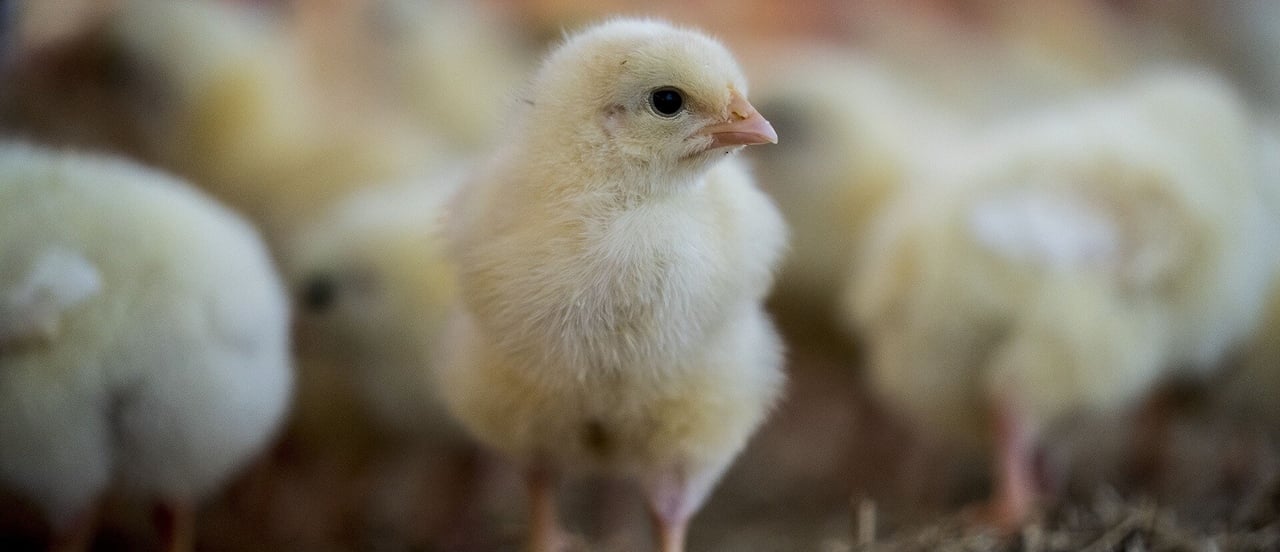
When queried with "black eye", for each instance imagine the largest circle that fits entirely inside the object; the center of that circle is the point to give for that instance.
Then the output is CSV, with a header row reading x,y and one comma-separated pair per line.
x,y
666,102
319,293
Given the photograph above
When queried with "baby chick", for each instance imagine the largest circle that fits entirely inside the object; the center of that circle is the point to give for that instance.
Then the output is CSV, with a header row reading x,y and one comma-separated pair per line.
x,y
853,131
217,94
374,291
1066,263
1248,390
451,65
613,257
1249,387
1233,36
374,288
143,339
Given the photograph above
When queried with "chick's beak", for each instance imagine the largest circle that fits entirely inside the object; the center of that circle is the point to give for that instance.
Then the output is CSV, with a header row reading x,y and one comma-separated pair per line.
x,y
745,126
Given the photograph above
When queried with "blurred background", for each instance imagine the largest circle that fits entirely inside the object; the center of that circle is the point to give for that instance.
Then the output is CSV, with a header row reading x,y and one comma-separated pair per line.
x,y
339,126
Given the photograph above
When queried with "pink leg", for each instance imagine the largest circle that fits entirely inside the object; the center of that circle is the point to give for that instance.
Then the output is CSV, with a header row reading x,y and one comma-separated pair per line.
x,y
545,534
671,534
1015,479
176,523
674,496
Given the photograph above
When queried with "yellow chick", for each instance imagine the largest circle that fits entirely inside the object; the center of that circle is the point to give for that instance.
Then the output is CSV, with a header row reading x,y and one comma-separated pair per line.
x,y
1065,263
143,339
613,256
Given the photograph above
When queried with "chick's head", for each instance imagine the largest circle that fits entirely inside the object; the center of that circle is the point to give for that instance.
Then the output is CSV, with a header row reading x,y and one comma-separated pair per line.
x,y
371,278
645,95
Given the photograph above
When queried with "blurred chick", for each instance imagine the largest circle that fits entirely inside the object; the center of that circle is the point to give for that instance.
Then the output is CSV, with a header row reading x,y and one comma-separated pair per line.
x,y
375,289
858,121
853,131
451,66
1249,388
218,94
613,258
1239,37
143,340
1064,264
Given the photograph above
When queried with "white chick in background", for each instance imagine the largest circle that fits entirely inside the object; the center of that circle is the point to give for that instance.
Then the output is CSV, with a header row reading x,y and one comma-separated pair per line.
x,y
375,289
858,120
218,94
143,339
1240,37
613,258
244,122
853,131
1064,264
181,78
451,66
1249,387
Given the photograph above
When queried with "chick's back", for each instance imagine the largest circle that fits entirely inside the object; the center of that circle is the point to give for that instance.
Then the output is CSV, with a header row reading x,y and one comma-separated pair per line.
x,y
170,376
1075,257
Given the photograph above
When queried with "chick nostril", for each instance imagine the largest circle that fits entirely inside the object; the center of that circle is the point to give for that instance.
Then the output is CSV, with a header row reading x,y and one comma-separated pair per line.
x,y
319,294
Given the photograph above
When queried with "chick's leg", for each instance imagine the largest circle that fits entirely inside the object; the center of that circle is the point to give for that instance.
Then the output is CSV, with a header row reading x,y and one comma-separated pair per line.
x,y
1015,479
674,495
176,524
545,534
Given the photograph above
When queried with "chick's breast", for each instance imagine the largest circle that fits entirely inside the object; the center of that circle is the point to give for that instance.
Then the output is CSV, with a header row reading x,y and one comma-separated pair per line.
x,y
641,334
646,286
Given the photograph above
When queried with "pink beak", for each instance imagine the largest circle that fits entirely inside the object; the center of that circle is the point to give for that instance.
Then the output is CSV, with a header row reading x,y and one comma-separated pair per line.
x,y
745,127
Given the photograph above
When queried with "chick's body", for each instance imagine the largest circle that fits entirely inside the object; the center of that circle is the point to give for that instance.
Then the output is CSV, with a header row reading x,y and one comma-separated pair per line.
x,y
608,314
612,266
169,372
1070,262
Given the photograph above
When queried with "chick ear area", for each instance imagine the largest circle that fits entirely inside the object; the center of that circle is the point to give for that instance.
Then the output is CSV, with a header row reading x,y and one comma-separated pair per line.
x,y
612,119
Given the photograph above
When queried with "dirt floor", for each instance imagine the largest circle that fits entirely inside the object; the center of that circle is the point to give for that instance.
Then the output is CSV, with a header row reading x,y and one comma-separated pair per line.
x,y
831,472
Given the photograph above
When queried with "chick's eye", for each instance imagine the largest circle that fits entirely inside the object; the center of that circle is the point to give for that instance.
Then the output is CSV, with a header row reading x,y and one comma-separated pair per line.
x,y
666,102
319,293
